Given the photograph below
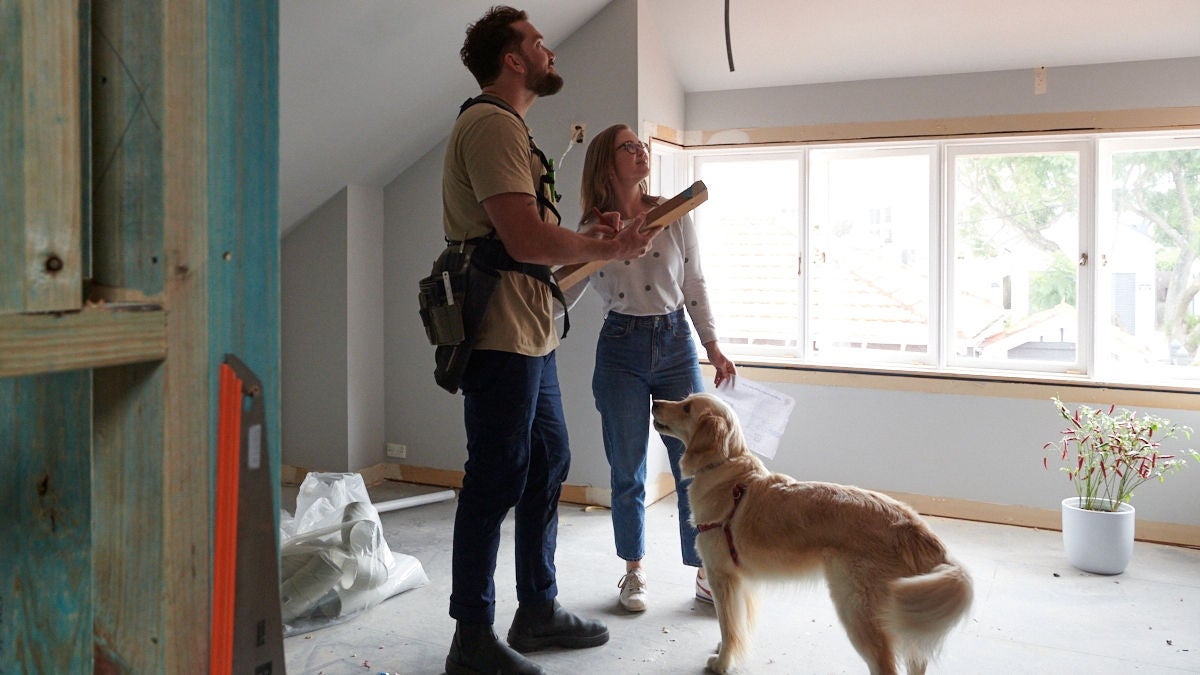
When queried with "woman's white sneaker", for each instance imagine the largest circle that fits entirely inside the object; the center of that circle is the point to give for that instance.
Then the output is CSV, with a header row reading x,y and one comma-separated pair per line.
x,y
633,590
703,592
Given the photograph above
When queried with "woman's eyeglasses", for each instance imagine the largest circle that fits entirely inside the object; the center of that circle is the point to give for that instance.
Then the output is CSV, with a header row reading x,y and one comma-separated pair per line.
x,y
633,147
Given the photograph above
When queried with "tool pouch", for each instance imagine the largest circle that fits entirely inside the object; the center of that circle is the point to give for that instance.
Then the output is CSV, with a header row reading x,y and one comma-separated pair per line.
x,y
453,300
441,296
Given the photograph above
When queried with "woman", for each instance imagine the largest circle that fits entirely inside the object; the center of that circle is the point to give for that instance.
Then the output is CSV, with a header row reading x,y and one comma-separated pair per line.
x,y
645,348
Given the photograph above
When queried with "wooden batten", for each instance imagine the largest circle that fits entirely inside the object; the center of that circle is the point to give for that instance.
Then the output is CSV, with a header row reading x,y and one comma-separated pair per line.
x,y
1185,117
92,338
657,219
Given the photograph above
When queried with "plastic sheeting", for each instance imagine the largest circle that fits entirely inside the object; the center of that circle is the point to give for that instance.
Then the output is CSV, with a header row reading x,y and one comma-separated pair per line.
x,y
334,562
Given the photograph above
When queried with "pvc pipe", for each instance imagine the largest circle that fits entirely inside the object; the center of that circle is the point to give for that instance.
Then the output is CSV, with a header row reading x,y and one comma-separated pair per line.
x,y
416,500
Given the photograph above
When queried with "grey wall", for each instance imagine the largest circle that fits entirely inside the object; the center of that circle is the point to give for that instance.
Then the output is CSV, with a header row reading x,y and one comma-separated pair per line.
x,y
364,328
980,448
331,310
314,360
1115,86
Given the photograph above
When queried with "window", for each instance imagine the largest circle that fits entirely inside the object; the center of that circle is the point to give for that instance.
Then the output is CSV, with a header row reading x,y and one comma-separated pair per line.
x,y
1013,283
1072,255
870,231
749,247
1148,322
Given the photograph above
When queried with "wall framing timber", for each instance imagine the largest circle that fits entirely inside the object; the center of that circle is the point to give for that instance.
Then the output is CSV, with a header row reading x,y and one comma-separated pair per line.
x,y
165,153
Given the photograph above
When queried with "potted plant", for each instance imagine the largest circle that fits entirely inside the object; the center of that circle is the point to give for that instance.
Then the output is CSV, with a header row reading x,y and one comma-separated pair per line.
x,y
1106,454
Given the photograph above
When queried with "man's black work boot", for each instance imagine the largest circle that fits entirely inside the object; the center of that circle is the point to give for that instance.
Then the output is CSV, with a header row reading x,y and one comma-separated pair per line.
x,y
477,651
546,624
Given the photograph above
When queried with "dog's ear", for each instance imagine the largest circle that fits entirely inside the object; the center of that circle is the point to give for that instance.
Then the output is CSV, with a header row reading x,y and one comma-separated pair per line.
x,y
706,444
712,432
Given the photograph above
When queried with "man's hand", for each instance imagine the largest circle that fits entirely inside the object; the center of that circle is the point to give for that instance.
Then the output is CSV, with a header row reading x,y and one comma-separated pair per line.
x,y
632,243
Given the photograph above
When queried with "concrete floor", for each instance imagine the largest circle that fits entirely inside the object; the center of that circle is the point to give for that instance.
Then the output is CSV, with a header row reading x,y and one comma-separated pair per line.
x,y
1033,612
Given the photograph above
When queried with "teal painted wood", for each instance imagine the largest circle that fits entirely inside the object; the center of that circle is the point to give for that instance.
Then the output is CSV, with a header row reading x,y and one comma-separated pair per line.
x,y
129,528
85,133
127,160
128,474
12,161
243,201
46,604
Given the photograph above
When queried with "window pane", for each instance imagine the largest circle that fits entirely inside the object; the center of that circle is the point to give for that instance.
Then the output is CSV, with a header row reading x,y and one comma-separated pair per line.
x,y
1016,250
749,239
870,224
1149,274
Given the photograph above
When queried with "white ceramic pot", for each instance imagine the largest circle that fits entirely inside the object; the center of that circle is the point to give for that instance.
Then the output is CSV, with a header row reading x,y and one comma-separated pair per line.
x,y
1100,542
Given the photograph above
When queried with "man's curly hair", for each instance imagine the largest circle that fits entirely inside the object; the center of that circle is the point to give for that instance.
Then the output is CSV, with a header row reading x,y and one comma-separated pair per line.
x,y
488,39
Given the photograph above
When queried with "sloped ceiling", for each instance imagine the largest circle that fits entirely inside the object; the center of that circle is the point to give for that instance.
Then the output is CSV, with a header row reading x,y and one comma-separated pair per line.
x,y
369,86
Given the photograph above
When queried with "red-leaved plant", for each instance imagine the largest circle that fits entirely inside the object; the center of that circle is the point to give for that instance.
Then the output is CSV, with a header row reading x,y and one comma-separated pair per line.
x,y
1106,454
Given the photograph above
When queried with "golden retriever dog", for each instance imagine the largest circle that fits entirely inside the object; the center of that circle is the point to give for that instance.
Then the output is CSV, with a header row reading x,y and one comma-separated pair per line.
x,y
896,591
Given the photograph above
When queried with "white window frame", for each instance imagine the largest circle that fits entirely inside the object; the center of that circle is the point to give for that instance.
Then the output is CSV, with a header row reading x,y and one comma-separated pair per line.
x,y
1085,285
1092,161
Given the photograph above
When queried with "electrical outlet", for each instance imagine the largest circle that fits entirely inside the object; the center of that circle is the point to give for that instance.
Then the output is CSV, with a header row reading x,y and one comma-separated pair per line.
x,y
397,450
578,130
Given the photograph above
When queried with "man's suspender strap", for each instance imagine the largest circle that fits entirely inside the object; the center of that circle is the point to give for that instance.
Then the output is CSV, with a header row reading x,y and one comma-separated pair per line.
x,y
547,180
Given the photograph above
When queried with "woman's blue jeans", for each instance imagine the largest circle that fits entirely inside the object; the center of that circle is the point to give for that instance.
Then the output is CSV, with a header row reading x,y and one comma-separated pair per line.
x,y
640,358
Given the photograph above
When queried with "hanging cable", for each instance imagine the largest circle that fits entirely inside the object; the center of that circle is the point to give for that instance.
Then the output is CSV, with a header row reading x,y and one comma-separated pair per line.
x,y
728,45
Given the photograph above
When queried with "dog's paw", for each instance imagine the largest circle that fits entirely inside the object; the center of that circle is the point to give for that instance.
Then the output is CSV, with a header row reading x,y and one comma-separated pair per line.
x,y
718,664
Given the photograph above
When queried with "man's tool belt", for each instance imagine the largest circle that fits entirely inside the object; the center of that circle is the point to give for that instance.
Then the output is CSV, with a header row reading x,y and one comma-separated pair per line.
x,y
454,298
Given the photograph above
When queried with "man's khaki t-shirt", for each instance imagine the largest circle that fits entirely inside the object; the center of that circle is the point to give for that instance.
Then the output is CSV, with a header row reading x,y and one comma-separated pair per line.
x,y
488,154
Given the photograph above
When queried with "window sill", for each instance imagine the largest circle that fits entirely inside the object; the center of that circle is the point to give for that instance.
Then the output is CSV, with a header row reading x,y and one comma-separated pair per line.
x,y
1008,385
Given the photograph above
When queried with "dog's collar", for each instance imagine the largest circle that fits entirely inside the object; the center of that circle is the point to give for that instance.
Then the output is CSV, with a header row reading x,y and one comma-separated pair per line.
x,y
739,491
709,467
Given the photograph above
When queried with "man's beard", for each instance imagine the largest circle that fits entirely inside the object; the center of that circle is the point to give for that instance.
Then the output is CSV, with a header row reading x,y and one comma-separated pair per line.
x,y
545,83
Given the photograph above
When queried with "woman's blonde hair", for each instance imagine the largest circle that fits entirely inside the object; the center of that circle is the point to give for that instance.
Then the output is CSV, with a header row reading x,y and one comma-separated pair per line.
x,y
599,165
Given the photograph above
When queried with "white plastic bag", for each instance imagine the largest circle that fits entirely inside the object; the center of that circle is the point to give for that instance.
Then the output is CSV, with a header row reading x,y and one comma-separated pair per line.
x,y
334,562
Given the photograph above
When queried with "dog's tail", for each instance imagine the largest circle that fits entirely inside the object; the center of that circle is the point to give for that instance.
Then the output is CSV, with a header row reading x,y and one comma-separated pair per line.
x,y
923,608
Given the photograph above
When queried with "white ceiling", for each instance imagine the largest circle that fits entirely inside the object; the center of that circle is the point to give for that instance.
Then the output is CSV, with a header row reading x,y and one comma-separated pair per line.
x,y
366,87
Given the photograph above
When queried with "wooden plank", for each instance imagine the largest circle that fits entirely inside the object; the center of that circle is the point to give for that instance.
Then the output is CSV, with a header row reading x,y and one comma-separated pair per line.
x,y
127,135
243,219
656,220
46,603
90,338
132,485
186,401
129,490
243,150
1046,519
40,168
986,125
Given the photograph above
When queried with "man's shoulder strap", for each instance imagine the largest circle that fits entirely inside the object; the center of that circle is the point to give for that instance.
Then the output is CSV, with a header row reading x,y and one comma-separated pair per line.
x,y
492,99
544,204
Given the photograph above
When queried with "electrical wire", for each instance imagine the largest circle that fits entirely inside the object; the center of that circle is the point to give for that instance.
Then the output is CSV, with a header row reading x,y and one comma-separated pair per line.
x,y
570,142
728,45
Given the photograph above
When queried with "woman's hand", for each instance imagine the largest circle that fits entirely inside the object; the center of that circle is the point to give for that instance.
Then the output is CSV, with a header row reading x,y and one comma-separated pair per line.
x,y
726,370
603,225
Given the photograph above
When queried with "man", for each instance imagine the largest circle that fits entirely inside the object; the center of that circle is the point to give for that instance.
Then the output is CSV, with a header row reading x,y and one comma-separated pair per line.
x,y
517,449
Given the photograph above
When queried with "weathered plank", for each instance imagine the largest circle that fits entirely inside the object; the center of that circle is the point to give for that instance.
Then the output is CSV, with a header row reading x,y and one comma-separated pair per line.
x,y
131,484
243,186
40,168
243,210
187,442
46,604
127,137
90,338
